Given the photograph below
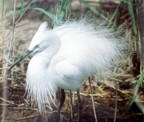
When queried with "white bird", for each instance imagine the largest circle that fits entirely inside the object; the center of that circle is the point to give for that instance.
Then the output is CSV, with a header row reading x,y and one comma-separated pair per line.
x,y
66,55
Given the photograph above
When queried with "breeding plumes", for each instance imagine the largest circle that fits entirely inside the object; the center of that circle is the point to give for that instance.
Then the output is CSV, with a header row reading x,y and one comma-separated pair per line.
x,y
63,57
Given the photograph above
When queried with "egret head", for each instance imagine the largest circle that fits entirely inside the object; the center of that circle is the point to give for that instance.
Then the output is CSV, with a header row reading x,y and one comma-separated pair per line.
x,y
42,39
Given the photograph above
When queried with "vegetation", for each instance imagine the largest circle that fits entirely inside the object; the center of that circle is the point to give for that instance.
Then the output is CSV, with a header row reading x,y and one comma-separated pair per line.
x,y
124,13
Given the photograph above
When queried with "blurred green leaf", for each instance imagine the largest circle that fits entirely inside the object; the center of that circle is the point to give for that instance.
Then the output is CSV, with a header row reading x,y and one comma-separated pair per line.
x,y
140,80
116,19
55,18
52,16
11,13
131,12
22,5
93,9
116,15
111,18
62,9
90,7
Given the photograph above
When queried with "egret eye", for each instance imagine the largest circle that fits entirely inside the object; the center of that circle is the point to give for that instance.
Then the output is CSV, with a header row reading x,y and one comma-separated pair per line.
x,y
35,49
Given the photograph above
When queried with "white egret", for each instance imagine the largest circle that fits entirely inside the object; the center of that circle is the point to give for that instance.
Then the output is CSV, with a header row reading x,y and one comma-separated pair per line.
x,y
66,55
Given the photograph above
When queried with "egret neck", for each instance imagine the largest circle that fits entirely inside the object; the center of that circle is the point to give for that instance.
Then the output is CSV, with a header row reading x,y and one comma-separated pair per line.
x,y
40,87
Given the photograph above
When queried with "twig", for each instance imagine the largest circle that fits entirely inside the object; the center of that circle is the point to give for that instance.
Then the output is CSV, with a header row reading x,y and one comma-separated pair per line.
x,y
6,100
94,110
115,111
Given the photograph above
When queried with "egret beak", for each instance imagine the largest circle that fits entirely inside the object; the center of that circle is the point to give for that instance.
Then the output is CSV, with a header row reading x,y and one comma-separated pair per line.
x,y
27,53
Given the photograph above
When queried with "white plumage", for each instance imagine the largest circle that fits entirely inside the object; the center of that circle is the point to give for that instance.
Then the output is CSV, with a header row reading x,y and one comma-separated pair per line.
x,y
66,55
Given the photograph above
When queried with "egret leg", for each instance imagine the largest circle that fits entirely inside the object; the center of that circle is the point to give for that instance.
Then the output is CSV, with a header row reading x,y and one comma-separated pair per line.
x,y
62,100
94,110
79,106
71,108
